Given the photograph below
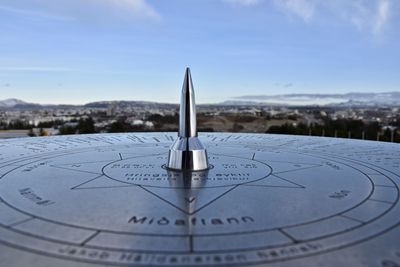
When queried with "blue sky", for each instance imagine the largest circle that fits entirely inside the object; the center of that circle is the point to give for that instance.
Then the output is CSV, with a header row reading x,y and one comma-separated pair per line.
x,y
75,51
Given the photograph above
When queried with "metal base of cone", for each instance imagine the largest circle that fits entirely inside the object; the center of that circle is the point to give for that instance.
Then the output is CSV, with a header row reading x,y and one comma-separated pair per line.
x,y
187,153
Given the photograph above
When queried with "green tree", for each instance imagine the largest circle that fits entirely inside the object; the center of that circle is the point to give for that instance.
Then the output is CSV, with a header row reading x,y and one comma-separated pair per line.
x,y
65,130
86,126
119,127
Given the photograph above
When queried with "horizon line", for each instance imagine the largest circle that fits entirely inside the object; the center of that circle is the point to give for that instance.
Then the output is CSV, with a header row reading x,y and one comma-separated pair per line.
x,y
232,98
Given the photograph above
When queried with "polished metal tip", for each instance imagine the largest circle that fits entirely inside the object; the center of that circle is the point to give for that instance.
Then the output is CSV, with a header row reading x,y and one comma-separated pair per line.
x,y
187,153
187,114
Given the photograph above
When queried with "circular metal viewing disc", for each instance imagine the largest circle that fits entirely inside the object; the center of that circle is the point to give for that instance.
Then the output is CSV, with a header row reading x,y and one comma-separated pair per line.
x,y
100,200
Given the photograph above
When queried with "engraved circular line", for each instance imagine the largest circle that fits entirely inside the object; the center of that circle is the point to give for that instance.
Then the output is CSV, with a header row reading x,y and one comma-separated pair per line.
x,y
130,233
158,235
179,187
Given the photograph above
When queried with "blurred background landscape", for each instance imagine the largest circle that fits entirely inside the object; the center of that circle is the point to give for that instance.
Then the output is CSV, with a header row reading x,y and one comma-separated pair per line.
x,y
362,116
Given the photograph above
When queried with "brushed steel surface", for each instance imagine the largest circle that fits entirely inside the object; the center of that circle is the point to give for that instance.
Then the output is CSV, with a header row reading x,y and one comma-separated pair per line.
x,y
266,200
187,111
187,153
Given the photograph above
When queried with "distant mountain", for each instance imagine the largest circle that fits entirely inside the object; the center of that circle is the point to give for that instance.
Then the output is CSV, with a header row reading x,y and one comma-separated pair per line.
x,y
332,100
348,99
16,104
125,104
12,102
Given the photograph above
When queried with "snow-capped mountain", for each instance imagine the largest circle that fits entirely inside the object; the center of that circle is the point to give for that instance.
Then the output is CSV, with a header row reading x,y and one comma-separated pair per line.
x,y
16,103
12,102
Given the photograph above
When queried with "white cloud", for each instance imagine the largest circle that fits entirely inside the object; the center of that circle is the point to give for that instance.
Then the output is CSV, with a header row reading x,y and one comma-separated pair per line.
x,y
372,18
29,13
100,10
139,8
302,8
366,15
244,2
382,16
357,15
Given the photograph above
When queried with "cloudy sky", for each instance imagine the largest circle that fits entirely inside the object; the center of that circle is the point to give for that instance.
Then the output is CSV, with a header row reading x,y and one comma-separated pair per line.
x,y
75,51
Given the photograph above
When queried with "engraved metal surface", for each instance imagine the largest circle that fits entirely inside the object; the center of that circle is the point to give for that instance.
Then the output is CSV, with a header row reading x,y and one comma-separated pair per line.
x,y
108,199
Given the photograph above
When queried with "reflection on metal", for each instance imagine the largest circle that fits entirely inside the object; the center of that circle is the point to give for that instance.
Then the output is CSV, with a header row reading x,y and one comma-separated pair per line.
x,y
187,153
187,186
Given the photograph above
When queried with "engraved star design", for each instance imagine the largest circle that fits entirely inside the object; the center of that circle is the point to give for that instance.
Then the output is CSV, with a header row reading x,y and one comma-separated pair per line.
x,y
187,199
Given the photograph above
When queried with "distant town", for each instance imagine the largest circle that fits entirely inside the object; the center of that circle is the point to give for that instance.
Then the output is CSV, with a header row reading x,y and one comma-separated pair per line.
x,y
359,121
